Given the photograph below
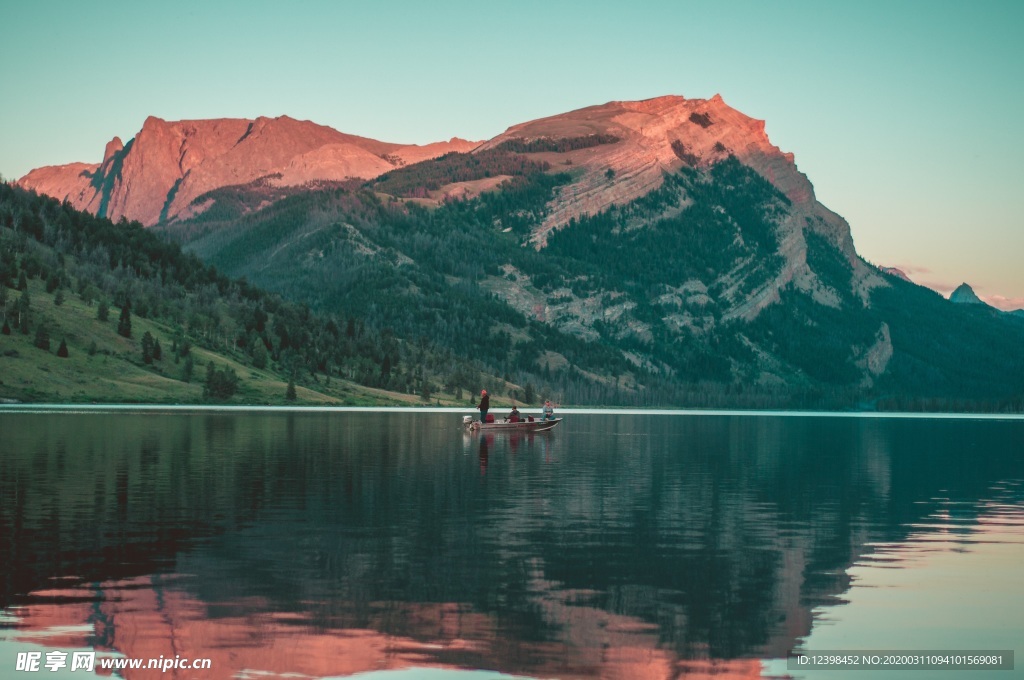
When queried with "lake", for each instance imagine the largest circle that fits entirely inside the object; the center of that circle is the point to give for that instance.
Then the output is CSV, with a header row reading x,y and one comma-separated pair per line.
x,y
395,545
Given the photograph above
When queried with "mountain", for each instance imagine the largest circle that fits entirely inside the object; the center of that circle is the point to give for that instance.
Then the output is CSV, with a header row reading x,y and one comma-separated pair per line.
x,y
163,173
965,295
895,271
159,173
632,253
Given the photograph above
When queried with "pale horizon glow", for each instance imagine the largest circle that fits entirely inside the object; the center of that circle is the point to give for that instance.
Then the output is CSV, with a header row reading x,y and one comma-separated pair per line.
x,y
904,116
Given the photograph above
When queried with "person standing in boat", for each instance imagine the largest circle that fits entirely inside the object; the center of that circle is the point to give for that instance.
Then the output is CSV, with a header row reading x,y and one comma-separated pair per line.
x,y
484,405
549,410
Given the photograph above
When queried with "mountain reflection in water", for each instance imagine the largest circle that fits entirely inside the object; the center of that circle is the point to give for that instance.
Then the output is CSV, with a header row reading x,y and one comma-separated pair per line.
x,y
632,546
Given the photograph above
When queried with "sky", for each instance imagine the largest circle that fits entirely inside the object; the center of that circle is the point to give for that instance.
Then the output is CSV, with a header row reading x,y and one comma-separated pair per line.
x,y
906,116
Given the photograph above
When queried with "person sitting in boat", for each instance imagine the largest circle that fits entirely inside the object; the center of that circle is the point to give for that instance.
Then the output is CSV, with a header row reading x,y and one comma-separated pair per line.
x,y
484,405
549,411
513,416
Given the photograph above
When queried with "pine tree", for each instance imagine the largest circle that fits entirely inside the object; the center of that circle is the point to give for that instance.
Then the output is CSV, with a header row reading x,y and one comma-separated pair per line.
x,y
42,340
58,299
124,324
158,352
289,393
22,281
147,348
186,370
62,351
6,328
103,310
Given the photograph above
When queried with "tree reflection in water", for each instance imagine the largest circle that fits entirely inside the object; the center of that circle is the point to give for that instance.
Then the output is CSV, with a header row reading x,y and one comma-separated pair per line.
x,y
328,544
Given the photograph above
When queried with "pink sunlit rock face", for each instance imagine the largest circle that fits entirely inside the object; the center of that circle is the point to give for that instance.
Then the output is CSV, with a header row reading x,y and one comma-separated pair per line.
x,y
167,165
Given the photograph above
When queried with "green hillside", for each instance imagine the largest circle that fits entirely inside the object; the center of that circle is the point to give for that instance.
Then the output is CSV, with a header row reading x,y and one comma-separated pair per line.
x,y
102,366
220,341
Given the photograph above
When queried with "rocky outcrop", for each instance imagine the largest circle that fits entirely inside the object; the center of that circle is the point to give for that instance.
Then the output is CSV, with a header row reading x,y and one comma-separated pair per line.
x,y
159,173
114,147
875,359
72,182
897,272
965,295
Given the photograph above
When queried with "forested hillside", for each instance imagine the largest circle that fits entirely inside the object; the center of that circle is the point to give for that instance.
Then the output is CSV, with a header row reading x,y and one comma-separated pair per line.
x,y
635,305
96,311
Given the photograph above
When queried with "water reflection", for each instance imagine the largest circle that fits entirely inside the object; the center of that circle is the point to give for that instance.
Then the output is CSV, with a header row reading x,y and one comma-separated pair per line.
x,y
618,546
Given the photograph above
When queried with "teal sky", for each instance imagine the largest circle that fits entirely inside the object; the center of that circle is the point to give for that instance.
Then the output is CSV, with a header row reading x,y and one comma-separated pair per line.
x,y
906,116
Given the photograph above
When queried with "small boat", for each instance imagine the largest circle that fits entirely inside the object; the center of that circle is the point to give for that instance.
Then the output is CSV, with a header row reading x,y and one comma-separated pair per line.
x,y
527,425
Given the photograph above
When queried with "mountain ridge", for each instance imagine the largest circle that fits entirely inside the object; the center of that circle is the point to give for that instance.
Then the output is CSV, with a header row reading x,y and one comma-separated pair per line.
x,y
153,181
158,174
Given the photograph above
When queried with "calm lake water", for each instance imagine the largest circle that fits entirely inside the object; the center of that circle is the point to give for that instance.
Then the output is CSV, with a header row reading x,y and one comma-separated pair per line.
x,y
616,546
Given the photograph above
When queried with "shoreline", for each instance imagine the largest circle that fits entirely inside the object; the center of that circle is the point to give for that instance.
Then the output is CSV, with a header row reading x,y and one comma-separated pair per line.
x,y
27,408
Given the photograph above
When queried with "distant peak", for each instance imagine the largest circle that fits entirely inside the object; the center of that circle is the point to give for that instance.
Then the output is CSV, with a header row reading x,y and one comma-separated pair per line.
x,y
895,271
964,294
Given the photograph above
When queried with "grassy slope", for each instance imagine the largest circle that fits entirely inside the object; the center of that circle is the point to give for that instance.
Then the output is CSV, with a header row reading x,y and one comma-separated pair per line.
x,y
116,372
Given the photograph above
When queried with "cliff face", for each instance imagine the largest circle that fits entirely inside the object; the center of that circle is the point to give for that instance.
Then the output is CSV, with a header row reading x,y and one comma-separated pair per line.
x,y
72,182
663,134
658,135
159,173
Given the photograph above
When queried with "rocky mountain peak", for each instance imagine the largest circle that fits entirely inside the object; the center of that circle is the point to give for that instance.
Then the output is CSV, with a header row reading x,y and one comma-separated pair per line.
x,y
964,294
655,136
113,146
